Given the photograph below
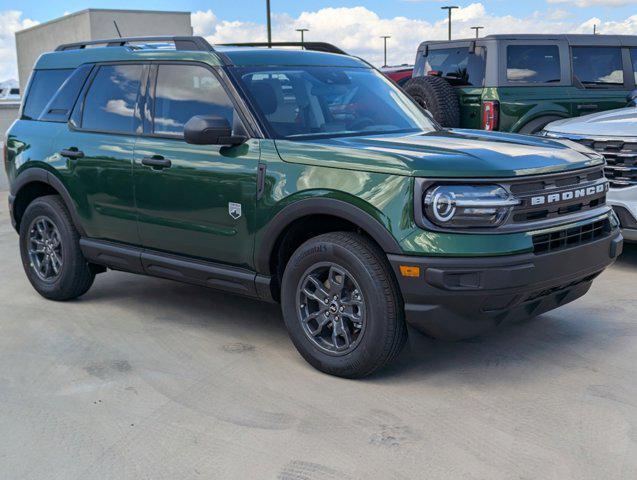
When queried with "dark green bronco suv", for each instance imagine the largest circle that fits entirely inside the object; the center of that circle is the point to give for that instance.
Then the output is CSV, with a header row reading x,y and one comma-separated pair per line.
x,y
303,177
521,83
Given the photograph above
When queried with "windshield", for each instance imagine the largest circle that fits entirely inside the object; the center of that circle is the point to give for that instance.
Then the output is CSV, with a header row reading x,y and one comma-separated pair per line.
x,y
310,102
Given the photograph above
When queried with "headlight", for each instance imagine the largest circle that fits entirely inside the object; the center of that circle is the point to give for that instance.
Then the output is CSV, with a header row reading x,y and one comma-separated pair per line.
x,y
468,205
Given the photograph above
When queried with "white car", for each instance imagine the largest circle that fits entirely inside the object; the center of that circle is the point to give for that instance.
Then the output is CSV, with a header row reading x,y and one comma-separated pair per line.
x,y
614,135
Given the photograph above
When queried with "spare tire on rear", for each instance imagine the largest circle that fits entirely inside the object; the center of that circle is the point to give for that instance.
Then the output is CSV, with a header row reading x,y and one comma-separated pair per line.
x,y
438,96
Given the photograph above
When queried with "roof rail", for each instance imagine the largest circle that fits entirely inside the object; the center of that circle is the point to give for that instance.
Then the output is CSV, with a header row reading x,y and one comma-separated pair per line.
x,y
315,46
189,43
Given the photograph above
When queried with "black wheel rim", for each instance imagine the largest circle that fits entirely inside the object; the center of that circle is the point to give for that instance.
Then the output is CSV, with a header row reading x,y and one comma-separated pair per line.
x,y
45,249
331,308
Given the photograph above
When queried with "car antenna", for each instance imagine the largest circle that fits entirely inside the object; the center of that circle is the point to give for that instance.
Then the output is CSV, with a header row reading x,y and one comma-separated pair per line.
x,y
119,34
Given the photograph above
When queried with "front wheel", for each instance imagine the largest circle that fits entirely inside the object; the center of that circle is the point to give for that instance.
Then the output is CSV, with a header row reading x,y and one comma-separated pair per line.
x,y
341,305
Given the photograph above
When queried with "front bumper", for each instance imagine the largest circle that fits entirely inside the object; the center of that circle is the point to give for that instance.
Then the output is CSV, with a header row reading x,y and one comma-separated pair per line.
x,y
455,298
624,202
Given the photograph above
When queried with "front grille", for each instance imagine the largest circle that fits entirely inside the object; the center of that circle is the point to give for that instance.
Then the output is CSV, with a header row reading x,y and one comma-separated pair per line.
x,y
556,184
570,237
621,160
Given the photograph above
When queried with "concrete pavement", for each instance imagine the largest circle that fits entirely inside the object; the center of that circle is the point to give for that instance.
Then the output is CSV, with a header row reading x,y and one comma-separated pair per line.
x,y
145,378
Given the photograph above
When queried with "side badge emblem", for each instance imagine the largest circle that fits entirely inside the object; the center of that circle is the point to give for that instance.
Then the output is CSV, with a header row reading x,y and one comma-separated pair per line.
x,y
234,209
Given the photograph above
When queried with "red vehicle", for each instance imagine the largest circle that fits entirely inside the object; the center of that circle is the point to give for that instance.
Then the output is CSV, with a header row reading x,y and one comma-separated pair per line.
x,y
399,73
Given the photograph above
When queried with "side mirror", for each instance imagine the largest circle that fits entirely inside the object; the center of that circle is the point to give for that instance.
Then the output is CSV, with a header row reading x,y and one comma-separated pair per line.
x,y
211,130
632,98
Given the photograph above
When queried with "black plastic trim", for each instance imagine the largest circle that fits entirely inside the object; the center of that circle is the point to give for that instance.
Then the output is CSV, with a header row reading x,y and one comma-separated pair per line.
x,y
139,260
320,206
35,174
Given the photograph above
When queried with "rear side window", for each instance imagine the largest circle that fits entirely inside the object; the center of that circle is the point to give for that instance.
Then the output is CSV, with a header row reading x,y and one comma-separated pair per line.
x,y
184,91
43,86
456,65
110,101
598,66
60,106
533,63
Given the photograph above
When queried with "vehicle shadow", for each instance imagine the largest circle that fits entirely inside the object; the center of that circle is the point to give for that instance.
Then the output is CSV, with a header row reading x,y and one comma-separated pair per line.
x,y
510,353
629,256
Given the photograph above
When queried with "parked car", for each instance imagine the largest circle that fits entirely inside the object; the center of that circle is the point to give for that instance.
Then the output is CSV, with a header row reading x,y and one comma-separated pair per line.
x,y
301,177
614,135
521,83
400,74
10,94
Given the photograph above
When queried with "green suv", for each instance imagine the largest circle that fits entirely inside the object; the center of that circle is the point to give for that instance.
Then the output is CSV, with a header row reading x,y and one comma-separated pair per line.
x,y
521,83
301,177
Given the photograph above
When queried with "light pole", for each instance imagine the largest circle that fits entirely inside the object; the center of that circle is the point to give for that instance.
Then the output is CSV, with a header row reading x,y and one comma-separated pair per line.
x,y
477,29
267,6
385,37
302,30
449,8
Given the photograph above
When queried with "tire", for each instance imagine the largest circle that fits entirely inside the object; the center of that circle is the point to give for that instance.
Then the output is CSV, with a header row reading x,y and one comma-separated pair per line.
x,y
536,126
379,332
438,96
74,275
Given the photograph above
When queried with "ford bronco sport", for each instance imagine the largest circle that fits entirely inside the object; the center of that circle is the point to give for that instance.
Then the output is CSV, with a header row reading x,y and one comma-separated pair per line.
x,y
520,83
302,177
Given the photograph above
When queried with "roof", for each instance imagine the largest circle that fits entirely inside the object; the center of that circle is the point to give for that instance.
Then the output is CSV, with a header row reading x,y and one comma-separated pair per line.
x,y
187,48
573,39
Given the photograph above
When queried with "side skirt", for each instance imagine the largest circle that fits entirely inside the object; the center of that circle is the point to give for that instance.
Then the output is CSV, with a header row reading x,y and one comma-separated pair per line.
x,y
173,267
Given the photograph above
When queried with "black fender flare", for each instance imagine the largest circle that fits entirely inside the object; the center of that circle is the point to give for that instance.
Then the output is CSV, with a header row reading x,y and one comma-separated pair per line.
x,y
320,206
41,175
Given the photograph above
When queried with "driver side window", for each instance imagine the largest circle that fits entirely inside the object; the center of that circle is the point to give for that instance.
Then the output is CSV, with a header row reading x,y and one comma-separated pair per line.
x,y
183,91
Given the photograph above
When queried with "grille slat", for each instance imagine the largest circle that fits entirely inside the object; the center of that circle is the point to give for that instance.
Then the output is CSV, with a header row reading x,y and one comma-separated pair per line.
x,y
570,237
621,160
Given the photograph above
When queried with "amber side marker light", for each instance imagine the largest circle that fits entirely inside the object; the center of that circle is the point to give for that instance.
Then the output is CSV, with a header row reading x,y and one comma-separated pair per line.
x,y
409,271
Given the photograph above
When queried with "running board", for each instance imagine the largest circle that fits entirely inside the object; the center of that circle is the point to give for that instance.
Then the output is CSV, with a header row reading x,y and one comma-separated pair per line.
x,y
173,267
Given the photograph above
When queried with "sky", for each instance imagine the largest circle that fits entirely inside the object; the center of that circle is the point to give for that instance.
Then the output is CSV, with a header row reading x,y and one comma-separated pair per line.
x,y
353,25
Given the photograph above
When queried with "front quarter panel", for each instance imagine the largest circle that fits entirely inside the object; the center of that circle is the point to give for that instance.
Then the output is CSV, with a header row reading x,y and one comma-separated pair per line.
x,y
385,198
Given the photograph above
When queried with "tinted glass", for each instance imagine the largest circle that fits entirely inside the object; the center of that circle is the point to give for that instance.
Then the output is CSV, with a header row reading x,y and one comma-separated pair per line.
x,y
43,86
60,106
633,57
184,91
456,65
297,102
533,63
598,65
110,102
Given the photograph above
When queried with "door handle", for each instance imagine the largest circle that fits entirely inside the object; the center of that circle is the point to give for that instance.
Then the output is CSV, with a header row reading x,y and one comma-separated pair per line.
x,y
588,106
157,162
72,153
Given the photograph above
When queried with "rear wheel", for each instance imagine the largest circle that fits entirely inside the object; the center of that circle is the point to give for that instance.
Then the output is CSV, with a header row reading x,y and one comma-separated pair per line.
x,y
341,305
50,251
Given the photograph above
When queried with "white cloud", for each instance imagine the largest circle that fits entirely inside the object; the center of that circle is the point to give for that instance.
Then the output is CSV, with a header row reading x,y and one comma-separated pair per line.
x,y
595,3
10,22
357,30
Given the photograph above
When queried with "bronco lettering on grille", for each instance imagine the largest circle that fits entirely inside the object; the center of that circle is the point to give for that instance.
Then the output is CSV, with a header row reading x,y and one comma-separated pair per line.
x,y
569,194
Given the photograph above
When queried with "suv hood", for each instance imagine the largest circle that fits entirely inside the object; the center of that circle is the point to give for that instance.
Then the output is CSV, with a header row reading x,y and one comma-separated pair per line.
x,y
613,123
447,153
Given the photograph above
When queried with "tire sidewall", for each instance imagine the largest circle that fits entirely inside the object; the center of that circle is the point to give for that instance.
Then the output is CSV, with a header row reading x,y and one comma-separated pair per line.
x,y
39,208
376,308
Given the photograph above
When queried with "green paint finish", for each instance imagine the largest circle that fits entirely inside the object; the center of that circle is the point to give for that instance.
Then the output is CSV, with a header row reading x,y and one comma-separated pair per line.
x,y
185,209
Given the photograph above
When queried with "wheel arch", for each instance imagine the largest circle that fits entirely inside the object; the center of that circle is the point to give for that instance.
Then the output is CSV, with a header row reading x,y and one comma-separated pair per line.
x,y
36,182
339,210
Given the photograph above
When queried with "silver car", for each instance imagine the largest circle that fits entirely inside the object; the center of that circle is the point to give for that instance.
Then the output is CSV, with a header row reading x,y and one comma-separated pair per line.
x,y
614,135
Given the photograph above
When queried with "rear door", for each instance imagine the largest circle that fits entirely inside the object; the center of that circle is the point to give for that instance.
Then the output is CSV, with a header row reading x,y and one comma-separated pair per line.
x,y
601,79
97,147
201,203
533,82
